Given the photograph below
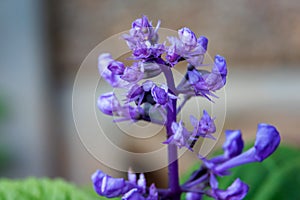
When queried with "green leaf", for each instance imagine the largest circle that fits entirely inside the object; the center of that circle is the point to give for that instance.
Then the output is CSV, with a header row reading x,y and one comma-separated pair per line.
x,y
42,189
284,184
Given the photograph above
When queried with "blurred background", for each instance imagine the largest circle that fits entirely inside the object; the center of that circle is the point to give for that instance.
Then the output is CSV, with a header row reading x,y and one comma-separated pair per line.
x,y
44,42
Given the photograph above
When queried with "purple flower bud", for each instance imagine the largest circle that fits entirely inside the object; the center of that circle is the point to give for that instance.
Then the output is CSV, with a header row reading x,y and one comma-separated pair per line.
x,y
116,67
220,66
142,182
131,176
142,30
109,187
187,37
193,196
237,190
234,144
153,194
267,140
180,135
203,42
172,57
104,61
160,95
108,103
205,127
141,51
141,23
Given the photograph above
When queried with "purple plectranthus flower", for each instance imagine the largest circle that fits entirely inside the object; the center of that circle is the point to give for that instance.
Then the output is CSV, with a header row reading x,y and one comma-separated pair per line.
x,y
181,136
202,82
162,96
234,144
187,47
142,40
188,38
267,140
143,30
236,191
141,94
108,103
110,187
205,127
116,67
132,189
193,196
106,66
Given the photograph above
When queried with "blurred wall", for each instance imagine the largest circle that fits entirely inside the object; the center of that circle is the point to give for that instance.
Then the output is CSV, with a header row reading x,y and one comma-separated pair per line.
x,y
24,86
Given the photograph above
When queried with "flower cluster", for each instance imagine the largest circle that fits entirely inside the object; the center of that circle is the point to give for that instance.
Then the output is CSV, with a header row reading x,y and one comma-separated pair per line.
x,y
157,103
267,140
132,189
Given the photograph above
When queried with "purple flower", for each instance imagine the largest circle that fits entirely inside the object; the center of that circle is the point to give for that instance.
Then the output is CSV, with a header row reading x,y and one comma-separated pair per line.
x,y
142,39
142,182
108,103
202,43
141,23
236,191
109,69
141,94
220,66
187,47
153,194
187,37
205,127
234,144
142,51
267,140
193,196
116,67
204,83
180,135
161,95
172,56
110,187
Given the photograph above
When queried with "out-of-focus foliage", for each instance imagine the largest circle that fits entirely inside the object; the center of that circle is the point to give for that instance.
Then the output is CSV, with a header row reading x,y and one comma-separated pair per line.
x,y
275,178
42,189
